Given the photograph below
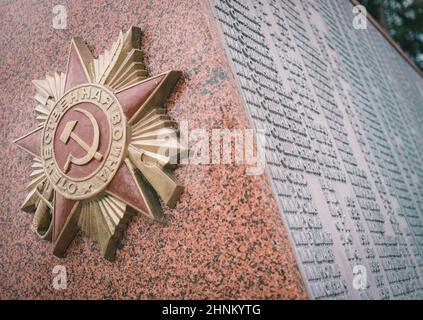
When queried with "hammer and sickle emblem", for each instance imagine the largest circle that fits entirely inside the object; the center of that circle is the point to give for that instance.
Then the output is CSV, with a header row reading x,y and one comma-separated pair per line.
x,y
91,150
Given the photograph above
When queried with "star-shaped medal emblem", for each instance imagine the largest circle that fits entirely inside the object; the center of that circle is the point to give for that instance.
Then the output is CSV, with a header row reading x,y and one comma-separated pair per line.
x,y
103,146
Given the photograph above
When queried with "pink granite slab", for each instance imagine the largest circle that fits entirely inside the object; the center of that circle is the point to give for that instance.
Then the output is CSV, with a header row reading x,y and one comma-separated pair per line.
x,y
226,239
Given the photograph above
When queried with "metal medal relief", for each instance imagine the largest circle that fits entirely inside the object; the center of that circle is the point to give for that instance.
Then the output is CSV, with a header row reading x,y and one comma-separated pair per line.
x,y
103,148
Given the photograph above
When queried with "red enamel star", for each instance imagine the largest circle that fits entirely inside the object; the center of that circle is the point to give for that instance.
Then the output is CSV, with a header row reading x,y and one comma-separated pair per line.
x,y
103,147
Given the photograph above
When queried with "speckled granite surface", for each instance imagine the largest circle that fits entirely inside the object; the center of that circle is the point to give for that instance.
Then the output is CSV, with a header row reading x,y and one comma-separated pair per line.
x,y
226,239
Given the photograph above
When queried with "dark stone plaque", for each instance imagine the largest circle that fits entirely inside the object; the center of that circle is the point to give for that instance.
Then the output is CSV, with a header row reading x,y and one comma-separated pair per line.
x,y
342,112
